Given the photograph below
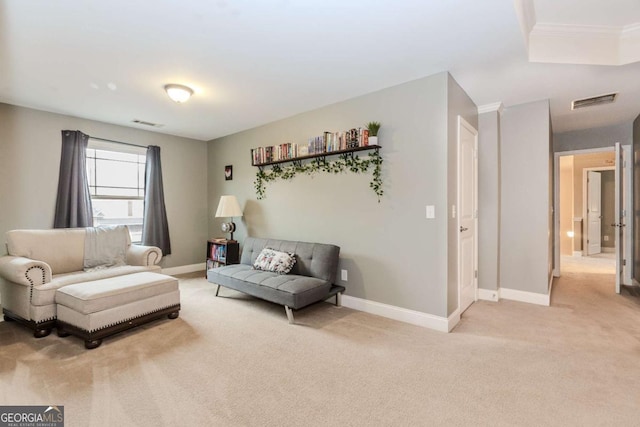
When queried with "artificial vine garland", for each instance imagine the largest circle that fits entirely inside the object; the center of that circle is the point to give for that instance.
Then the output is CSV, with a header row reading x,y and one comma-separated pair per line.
x,y
345,162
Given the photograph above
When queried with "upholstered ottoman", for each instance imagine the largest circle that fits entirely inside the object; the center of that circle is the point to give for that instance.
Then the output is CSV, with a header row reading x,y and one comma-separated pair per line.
x,y
97,309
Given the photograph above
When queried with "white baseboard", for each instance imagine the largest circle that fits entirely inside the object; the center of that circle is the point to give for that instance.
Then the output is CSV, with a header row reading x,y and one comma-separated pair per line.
x,y
523,296
489,294
418,318
608,250
577,254
183,269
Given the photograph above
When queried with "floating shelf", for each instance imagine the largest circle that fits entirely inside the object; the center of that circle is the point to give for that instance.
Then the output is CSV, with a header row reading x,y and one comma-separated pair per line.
x,y
317,155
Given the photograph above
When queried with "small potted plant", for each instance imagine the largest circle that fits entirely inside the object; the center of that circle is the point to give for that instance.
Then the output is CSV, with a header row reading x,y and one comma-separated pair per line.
x,y
373,132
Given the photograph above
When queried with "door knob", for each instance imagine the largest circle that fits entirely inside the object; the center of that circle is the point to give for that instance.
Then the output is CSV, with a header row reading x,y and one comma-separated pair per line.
x,y
463,229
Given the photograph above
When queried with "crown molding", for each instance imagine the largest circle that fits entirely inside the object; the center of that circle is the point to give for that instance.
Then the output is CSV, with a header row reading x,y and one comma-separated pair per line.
x,y
577,44
487,108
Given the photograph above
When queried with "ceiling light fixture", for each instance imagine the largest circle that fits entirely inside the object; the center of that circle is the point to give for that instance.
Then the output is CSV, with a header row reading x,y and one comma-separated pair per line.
x,y
178,93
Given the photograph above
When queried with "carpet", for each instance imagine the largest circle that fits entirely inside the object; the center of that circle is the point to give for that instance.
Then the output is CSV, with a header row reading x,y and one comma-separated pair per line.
x,y
235,361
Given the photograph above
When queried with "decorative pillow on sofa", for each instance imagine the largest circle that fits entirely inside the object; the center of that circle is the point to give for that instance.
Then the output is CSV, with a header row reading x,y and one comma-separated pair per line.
x,y
275,261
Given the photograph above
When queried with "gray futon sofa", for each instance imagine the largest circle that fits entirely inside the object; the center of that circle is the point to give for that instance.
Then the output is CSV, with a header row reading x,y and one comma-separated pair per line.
x,y
312,278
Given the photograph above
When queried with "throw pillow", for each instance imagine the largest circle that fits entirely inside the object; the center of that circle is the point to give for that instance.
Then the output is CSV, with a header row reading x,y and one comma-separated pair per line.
x,y
275,261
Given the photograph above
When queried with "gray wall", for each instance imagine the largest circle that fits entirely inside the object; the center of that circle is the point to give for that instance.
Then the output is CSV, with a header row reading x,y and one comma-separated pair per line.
x,y
458,104
525,209
489,200
636,199
585,139
393,254
608,192
30,145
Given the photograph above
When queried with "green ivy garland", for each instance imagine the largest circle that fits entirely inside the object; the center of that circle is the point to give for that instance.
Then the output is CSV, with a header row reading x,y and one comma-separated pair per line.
x,y
346,162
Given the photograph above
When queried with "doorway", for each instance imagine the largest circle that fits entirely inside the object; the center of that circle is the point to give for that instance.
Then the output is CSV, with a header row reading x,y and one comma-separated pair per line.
x,y
591,202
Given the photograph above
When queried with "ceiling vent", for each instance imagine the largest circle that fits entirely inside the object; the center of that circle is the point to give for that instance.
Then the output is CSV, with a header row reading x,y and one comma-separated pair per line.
x,y
592,102
142,122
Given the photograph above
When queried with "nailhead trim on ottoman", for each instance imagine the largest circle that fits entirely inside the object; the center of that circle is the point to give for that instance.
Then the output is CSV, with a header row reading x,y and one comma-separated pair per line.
x,y
97,309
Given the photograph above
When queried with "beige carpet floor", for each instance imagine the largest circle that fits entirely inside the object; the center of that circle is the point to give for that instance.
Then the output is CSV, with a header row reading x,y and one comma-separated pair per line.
x,y
235,361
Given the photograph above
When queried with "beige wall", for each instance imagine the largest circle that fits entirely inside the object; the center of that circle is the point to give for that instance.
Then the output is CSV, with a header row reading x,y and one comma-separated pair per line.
x,y
393,254
29,166
566,204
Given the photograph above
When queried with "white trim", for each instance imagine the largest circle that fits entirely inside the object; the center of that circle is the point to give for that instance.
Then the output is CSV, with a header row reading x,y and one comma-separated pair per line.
x,y
608,250
413,317
489,294
522,296
577,254
487,108
183,269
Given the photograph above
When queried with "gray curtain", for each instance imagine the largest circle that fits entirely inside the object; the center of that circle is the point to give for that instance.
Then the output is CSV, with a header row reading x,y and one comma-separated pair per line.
x,y
155,227
73,205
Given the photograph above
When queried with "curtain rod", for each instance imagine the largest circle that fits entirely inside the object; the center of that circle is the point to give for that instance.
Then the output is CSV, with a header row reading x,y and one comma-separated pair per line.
x,y
118,142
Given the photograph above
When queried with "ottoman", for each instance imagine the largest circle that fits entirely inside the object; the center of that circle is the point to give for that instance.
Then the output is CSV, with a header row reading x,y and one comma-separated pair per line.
x,y
97,309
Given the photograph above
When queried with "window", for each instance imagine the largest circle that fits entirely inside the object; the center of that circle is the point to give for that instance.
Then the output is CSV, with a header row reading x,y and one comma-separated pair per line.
x,y
116,184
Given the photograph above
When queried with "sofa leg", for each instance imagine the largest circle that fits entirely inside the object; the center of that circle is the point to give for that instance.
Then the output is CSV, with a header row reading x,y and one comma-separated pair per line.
x,y
339,299
289,314
217,290
41,332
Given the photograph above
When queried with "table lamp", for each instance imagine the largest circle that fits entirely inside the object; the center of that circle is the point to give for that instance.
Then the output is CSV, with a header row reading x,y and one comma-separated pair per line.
x,y
228,207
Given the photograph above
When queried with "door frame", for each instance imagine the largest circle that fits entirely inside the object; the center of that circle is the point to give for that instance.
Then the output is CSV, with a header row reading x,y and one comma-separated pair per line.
x,y
463,123
627,195
585,196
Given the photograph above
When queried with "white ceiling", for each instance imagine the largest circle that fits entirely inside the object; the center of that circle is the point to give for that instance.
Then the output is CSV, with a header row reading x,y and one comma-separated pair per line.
x,y
251,62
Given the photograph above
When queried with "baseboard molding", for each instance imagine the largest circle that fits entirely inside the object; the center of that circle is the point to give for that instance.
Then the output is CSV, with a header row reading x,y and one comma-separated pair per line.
x,y
489,294
577,254
417,318
523,296
183,269
608,250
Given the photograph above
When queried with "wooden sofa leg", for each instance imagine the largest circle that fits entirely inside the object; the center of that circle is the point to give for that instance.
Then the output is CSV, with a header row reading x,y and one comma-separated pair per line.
x,y
289,314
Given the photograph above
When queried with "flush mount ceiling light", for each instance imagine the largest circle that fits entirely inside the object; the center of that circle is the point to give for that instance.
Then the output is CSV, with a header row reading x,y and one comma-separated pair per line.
x,y
178,93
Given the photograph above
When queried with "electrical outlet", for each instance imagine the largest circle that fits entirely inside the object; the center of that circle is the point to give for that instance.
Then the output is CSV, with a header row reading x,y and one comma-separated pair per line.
x,y
606,238
344,275
431,212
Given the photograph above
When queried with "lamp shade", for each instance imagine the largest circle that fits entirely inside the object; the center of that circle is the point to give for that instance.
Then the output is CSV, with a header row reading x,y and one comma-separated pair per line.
x,y
228,207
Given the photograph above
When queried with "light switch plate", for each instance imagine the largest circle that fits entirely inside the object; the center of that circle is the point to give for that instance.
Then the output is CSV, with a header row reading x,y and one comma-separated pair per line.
x,y
343,275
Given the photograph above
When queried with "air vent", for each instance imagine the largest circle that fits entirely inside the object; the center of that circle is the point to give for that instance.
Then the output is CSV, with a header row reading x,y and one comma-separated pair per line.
x,y
142,122
591,102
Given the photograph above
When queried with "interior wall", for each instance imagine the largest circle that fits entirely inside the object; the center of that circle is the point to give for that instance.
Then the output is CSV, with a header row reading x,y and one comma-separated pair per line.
x,y
584,139
392,253
525,207
636,199
566,205
458,104
30,146
608,192
489,200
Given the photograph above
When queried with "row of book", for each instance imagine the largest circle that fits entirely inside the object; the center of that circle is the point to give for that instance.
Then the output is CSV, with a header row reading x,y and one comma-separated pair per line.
x,y
327,143
218,253
211,263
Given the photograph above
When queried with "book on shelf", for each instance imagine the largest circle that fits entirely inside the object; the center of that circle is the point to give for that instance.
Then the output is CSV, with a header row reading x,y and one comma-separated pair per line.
x,y
328,142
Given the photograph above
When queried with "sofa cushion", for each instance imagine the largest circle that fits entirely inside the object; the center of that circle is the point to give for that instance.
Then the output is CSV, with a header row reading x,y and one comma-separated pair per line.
x,y
275,261
99,295
292,290
45,294
62,249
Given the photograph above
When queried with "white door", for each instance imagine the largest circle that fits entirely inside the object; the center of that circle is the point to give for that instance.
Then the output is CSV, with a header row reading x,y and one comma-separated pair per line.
x,y
594,213
619,217
467,213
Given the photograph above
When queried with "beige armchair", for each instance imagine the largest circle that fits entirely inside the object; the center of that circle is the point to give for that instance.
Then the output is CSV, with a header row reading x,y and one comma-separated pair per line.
x,y
41,261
